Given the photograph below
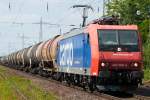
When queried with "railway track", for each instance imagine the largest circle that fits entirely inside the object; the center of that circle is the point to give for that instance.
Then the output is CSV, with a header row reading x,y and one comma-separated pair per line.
x,y
100,95
96,93
147,82
139,97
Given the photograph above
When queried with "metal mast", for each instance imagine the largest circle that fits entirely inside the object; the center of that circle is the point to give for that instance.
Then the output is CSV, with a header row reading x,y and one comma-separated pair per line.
x,y
23,36
41,23
41,29
85,12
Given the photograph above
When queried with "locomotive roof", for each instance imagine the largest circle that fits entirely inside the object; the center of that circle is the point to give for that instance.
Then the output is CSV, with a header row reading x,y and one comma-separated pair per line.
x,y
77,31
73,33
121,27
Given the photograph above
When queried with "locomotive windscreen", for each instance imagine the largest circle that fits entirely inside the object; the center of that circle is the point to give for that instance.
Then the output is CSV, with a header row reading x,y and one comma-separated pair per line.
x,y
111,40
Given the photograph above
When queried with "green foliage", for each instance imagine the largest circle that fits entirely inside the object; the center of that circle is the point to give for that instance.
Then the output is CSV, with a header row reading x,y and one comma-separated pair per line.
x,y
127,10
146,74
147,55
144,29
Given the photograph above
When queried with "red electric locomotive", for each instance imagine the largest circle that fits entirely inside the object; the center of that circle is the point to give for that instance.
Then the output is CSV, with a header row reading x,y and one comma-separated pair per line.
x,y
116,54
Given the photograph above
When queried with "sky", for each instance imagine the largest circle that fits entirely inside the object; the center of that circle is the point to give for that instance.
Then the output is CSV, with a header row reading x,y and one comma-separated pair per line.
x,y
31,11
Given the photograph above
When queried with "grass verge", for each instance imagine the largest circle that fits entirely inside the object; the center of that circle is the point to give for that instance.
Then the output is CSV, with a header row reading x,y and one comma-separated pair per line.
x,y
13,87
146,74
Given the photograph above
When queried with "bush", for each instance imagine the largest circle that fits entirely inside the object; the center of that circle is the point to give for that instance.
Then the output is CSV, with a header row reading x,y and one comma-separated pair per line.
x,y
144,29
146,55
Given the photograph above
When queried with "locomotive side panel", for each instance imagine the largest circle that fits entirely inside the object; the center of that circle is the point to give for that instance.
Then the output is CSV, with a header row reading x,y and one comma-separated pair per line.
x,y
72,55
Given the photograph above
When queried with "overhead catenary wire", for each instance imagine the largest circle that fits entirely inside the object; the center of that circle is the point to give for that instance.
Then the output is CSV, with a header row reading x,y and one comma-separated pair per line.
x,y
17,12
23,37
85,12
71,14
9,7
74,11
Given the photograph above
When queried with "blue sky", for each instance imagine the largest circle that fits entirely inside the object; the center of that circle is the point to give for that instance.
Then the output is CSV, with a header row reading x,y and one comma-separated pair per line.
x,y
30,11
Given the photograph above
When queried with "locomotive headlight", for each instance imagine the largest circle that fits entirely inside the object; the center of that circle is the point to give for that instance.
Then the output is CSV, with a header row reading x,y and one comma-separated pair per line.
x,y
135,64
102,64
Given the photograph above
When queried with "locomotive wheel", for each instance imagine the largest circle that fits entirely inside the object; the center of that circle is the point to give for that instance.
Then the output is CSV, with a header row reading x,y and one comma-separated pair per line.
x,y
68,81
92,84
33,70
26,69
91,87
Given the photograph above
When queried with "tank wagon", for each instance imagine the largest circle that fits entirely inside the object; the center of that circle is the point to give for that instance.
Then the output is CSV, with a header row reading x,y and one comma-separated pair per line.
x,y
32,55
103,55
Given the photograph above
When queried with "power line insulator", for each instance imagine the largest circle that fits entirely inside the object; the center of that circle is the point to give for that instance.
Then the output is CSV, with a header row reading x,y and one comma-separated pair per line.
x,y
108,20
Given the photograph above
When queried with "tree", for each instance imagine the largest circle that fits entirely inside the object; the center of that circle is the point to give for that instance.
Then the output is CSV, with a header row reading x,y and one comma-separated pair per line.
x,y
144,29
132,12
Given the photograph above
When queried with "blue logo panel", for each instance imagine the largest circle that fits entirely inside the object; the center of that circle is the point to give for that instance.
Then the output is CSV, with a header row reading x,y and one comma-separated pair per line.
x,y
74,52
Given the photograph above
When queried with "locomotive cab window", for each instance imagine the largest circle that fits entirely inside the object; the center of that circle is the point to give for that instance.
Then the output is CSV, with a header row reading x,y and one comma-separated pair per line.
x,y
110,40
108,37
128,37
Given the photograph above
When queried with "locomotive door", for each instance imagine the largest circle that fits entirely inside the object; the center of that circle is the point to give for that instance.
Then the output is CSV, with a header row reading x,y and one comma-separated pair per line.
x,y
86,54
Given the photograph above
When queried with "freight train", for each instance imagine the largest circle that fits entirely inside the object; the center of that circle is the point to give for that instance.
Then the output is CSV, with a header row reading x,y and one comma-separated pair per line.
x,y
100,56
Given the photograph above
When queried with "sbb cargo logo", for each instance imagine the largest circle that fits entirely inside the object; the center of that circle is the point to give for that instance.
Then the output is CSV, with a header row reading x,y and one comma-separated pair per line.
x,y
66,54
